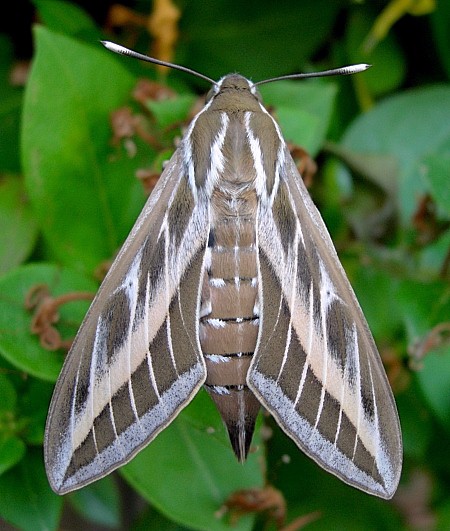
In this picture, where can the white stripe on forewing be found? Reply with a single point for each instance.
(187, 150)
(217, 162)
(90, 412)
(357, 424)
(72, 418)
(376, 421)
(327, 296)
(341, 399)
(292, 263)
(147, 338)
(255, 148)
(281, 155)
(309, 345)
(132, 295)
(166, 289)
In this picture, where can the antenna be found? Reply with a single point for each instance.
(117, 48)
(343, 71)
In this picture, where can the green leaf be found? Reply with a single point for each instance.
(99, 503)
(85, 197)
(186, 466)
(387, 60)
(10, 109)
(259, 39)
(434, 381)
(12, 451)
(305, 112)
(433, 257)
(8, 394)
(170, 111)
(437, 175)
(443, 515)
(17, 344)
(309, 489)
(151, 519)
(422, 306)
(19, 228)
(371, 286)
(26, 500)
(32, 410)
(410, 127)
(416, 421)
(57, 14)
(440, 21)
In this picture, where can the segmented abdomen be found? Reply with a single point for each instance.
(229, 324)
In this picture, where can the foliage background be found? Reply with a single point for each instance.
(68, 197)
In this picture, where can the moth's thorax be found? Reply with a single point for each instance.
(234, 145)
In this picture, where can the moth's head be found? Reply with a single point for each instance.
(234, 93)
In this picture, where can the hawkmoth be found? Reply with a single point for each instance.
(228, 280)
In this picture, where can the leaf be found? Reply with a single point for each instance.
(443, 516)
(307, 488)
(27, 501)
(433, 257)
(440, 20)
(151, 519)
(10, 108)
(372, 287)
(8, 395)
(422, 306)
(437, 176)
(99, 503)
(85, 199)
(408, 126)
(12, 450)
(305, 112)
(386, 58)
(186, 466)
(57, 14)
(434, 381)
(19, 228)
(259, 39)
(32, 410)
(17, 345)
(168, 112)
(416, 421)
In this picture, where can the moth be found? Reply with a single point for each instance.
(228, 280)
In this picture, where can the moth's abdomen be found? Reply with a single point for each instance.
(229, 324)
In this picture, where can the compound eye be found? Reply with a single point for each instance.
(254, 90)
(212, 92)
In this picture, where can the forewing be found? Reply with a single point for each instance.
(136, 360)
(316, 366)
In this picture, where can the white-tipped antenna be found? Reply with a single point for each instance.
(117, 48)
(343, 71)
